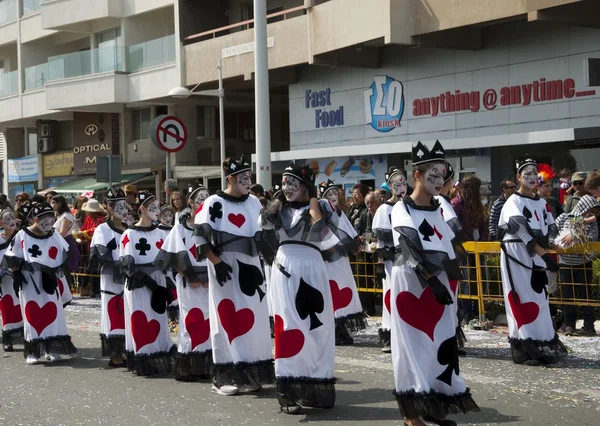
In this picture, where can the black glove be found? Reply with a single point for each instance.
(550, 262)
(18, 280)
(279, 195)
(311, 189)
(440, 292)
(222, 271)
(380, 271)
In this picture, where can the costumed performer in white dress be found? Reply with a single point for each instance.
(523, 229)
(424, 348)
(386, 250)
(104, 250)
(37, 256)
(194, 353)
(227, 232)
(147, 340)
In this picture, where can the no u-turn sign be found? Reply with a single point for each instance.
(168, 133)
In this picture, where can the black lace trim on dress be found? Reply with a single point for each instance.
(194, 364)
(244, 373)
(8, 242)
(144, 228)
(150, 364)
(53, 344)
(435, 404)
(353, 322)
(13, 337)
(113, 346)
(544, 351)
(534, 197)
(112, 226)
(435, 204)
(306, 391)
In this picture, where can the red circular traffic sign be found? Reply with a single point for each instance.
(169, 133)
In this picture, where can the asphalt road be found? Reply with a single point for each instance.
(81, 391)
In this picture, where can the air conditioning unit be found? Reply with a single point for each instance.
(46, 145)
(46, 129)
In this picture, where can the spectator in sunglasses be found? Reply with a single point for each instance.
(22, 199)
(508, 188)
(578, 182)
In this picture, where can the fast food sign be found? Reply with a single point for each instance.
(343, 169)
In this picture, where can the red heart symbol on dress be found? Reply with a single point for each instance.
(40, 318)
(194, 251)
(197, 327)
(387, 301)
(61, 286)
(237, 219)
(341, 298)
(235, 323)
(173, 291)
(159, 244)
(523, 313)
(53, 252)
(422, 313)
(11, 314)
(116, 313)
(288, 343)
(453, 286)
(144, 332)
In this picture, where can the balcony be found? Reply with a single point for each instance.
(151, 53)
(9, 83)
(86, 62)
(8, 21)
(36, 76)
(30, 7)
(76, 15)
(10, 104)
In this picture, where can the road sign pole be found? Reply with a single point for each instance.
(110, 172)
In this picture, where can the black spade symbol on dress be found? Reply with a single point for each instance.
(539, 280)
(250, 279)
(527, 214)
(215, 211)
(426, 229)
(448, 355)
(112, 245)
(49, 283)
(309, 302)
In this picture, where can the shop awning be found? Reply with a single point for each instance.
(191, 172)
(90, 184)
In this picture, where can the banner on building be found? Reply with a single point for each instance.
(24, 169)
(58, 165)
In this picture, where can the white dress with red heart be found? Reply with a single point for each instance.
(104, 249)
(346, 301)
(173, 306)
(530, 328)
(40, 261)
(303, 306)
(147, 337)
(423, 335)
(10, 308)
(382, 230)
(193, 344)
(239, 316)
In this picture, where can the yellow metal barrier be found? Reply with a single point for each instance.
(578, 285)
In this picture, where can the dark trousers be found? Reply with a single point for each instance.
(575, 283)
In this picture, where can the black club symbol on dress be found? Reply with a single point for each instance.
(143, 246)
(215, 211)
(35, 251)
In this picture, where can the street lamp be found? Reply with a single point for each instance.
(184, 93)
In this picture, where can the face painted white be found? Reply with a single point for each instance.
(166, 217)
(292, 188)
(129, 220)
(333, 196)
(201, 196)
(433, 180)
(529, 176)
(243, 182)
(9, 221)
(153, 210)
(120, 210)
(399, 186)
(45, 223)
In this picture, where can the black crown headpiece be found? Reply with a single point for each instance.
(192, 192)
(521, 164)
(145, 197)
(233, 167)
(449, 172)
(326, 186)
(115, 195)
(304, 173)
(40, 209)
(395, 172)
(165, 206)
(422, 155)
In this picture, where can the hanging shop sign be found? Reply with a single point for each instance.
(94, 135)
(57, 165)
(25, 169)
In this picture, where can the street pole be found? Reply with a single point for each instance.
(222, 125)
(261, 95)
(167, 173)
(110, 172)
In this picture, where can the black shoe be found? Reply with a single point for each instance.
(291, 409)
(8, 348)
(443, 422)
(585, 331)
(188, 378)
(122, 364)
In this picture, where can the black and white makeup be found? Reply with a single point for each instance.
(166, 217)
(153, 210)
(292, 188)
(433, 178)
(529, 176)
(8, 220)
(45, 223)
(242, 182)
(119, 210)
(130, 219)
(200, 197)
(398, 185)
(333, 196)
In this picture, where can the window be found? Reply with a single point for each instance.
(200, 122)
(141, 124)
(32, 141)
(161, 110)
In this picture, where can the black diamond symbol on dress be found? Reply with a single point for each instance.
(545, 216)
(426, 229)
(309, 302)
(112, 245)
(448, 355)
(143, 246)
(35, 250)
(250, 279)
(215, 211)
(527, 214)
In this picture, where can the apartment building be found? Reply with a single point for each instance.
(361, 81)
(81, 79)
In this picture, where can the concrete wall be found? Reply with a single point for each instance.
(514, 54)
(149, 26)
